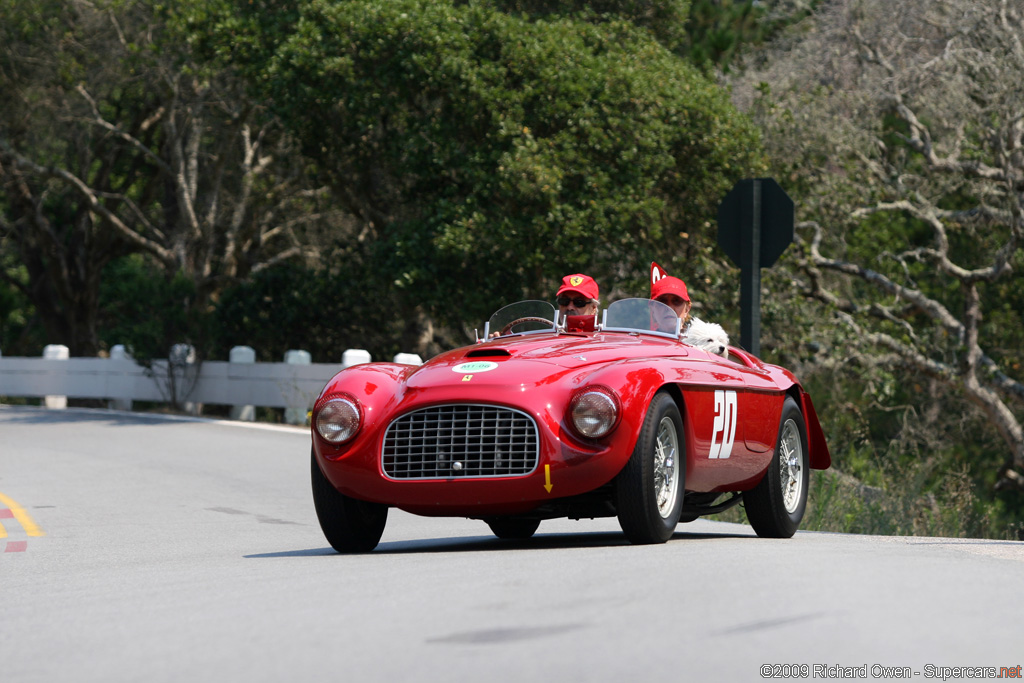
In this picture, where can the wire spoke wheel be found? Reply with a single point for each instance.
(666, 467)
(649, 489)
(791, 470)
(775, 507)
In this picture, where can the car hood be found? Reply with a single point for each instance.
(528, 359)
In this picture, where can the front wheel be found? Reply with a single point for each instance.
(649, 489)
(350, 525)
(775, 507)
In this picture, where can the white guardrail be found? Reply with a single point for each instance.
(240, 382)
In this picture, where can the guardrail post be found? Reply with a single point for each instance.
(181, 366)
(245, 355)
(119, 352)
(56, 352)
(296, 414)
(355, 357)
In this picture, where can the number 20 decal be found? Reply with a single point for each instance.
(725, 424)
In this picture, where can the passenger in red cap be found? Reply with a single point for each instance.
(672, 292)
(578, 295)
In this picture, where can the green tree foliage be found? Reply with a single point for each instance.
(719, 29)
(20, 333)
(132, 291)
(723, 34)
(112, 142)
(709, 33)
(664, 19)
(58, 253)
(321, 311)
(491, 152)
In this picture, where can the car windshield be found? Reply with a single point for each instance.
(522, 317)
(641, 315)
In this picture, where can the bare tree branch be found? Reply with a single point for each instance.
(92, 199)
(920, 117)
(138, 155)
(131, 141)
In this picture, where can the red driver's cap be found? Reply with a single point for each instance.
(583, 284)
(669, 285)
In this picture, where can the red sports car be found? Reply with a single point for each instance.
(565, 418)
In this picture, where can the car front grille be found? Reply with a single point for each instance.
(460, 441)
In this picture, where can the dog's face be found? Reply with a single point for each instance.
(708, 336)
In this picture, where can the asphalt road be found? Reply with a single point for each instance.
(138, 548)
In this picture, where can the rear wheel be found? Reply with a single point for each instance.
(649, 489)
(513, 528)
(350, 525)
(776, 506)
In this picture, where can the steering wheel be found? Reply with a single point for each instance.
(528, 319)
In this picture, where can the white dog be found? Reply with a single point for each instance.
(708, 336)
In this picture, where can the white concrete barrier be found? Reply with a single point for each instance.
(120, 380)
(183, 354)
(118, 352)
(182, 377)
(295, 411)
(407, 359)
(355, 357)
(245, 355)
(56, 352)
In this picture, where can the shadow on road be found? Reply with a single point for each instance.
(32, 415)
(35, 415)
(490, 543)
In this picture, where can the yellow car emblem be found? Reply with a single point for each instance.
(466, 378)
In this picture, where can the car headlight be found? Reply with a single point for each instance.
(593, 412)
(338, 420)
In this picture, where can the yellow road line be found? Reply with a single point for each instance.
(3, 533)
(31, 528)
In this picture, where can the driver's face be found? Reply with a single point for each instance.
(573, 303)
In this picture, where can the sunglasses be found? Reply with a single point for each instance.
(577, 302)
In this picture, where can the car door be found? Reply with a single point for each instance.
(732, 412)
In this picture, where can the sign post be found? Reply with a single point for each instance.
(755, 225)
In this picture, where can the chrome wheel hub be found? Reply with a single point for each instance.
(666, 467)
(791, 470)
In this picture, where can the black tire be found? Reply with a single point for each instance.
(350, 525)
(649, 489)
(775, 507)
(513, 528)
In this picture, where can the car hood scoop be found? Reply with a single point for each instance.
(489, 353)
